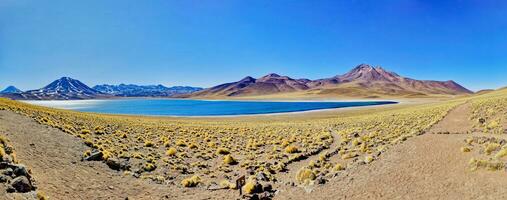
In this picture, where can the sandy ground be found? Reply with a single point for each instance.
(430, 166)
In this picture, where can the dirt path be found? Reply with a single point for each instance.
(293, 168)
(54, 158)
(457, 121)
(430, 166)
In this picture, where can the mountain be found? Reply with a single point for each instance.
(11, 90)
(362, 81)
(248, 86)
(64, 88)
(132, 90)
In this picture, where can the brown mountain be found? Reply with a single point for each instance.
(362, 81)
(248, 86)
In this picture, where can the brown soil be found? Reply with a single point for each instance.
(430, 166)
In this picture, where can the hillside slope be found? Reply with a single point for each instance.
(64, 88)
(362, 81)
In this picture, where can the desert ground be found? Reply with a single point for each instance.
(433, 149)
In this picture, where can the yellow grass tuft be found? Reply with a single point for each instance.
(227, 184)
(251, 186)
(41, 195)
(191, 182)
(222, 151)
(338, 167)
(465, 149)
(148, 143)
(502, 153)
(171, 152)
(291, 149)
(368, 159)
(149, 167)
(304, 176)
(228, 159)
(491, 147)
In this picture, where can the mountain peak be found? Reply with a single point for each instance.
(272, 75)
(362, 66)
(247, 79)
(10, 90)
(365, 72)
(67, 85)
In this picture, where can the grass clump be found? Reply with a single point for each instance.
(368, 159)
(491, 147)
(502, 153)
(304, 176)
(222, 151)
(229, 160)
(491, 165)
(85, 132)
(191, 182)
(465, 149)
(41, 195)
(291, 149)
(149, 167)
(251, 186)
(338, 167)
(148, 143)
(227, 184)
(171, 151)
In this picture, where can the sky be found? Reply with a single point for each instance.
(209, 42)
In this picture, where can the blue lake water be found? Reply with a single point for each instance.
(177, 107)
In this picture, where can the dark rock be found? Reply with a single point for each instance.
(3, 164)
(22, 184)
(482, 120)
(4, 178)
(95, 155)
(267, 187)
(320, 180)
(7, 172)
(254, 197)
(19, 170)
(113, 163)
(8, 149)
(261, 176)
(265, 196)
(10, 189)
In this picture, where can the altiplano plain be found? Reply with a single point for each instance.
(280, 158)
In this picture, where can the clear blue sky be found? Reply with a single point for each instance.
(204, 43)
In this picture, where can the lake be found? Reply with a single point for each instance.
(178, 107)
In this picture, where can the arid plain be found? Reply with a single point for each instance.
(451, 149)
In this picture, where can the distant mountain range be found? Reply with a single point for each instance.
(130, 90)
(362, 81)
(67, 88)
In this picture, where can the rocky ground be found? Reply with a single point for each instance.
(430, 166)
(16, 181)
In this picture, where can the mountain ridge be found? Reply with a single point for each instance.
(362, 81)
(132, 90)
(67, 88)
